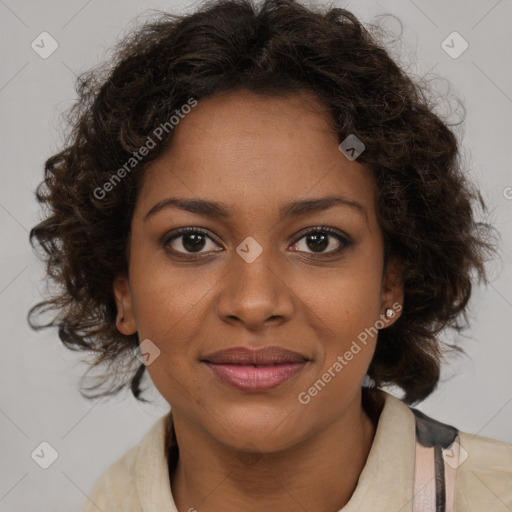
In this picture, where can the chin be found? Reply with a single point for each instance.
(257, 427)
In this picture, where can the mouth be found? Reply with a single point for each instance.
(255, 370)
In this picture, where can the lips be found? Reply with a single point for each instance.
(255, 370)
(262, 356)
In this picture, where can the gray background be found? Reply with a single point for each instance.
(39, 396)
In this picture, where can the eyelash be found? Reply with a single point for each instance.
(345, 241)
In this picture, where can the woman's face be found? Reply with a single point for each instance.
(257, 275)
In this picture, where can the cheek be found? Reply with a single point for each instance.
(347, 307)
(347, 314)
(346, 301)
(169, 301)
(352, 322)
(170, 307)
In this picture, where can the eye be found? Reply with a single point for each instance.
(191, 239)
(319, 239)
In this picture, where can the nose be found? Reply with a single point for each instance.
(255, 294)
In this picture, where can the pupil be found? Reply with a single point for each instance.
(197, 243)
(322, 238)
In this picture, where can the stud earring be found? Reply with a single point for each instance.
(389, 313)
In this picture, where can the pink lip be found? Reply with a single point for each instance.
(255, 370)
(256, 378)
(265, 355)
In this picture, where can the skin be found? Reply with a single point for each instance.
(266, 450)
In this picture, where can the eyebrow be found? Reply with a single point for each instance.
(286, 211)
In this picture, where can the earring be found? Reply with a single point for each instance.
(389, 313)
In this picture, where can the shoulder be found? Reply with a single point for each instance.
(484, 476)
(119, 487)
(115, 489)
(487, 450)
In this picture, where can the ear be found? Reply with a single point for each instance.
(125, 321)
(392, 291)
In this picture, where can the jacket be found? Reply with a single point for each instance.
(415, 464)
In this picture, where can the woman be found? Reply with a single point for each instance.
(261, 209)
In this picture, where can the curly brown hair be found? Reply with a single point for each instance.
(426, 206)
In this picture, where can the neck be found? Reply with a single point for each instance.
(210, 477)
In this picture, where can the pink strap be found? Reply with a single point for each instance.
(453, 457)
(425, 476)
(424, 480)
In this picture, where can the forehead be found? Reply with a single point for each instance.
(254, 151)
